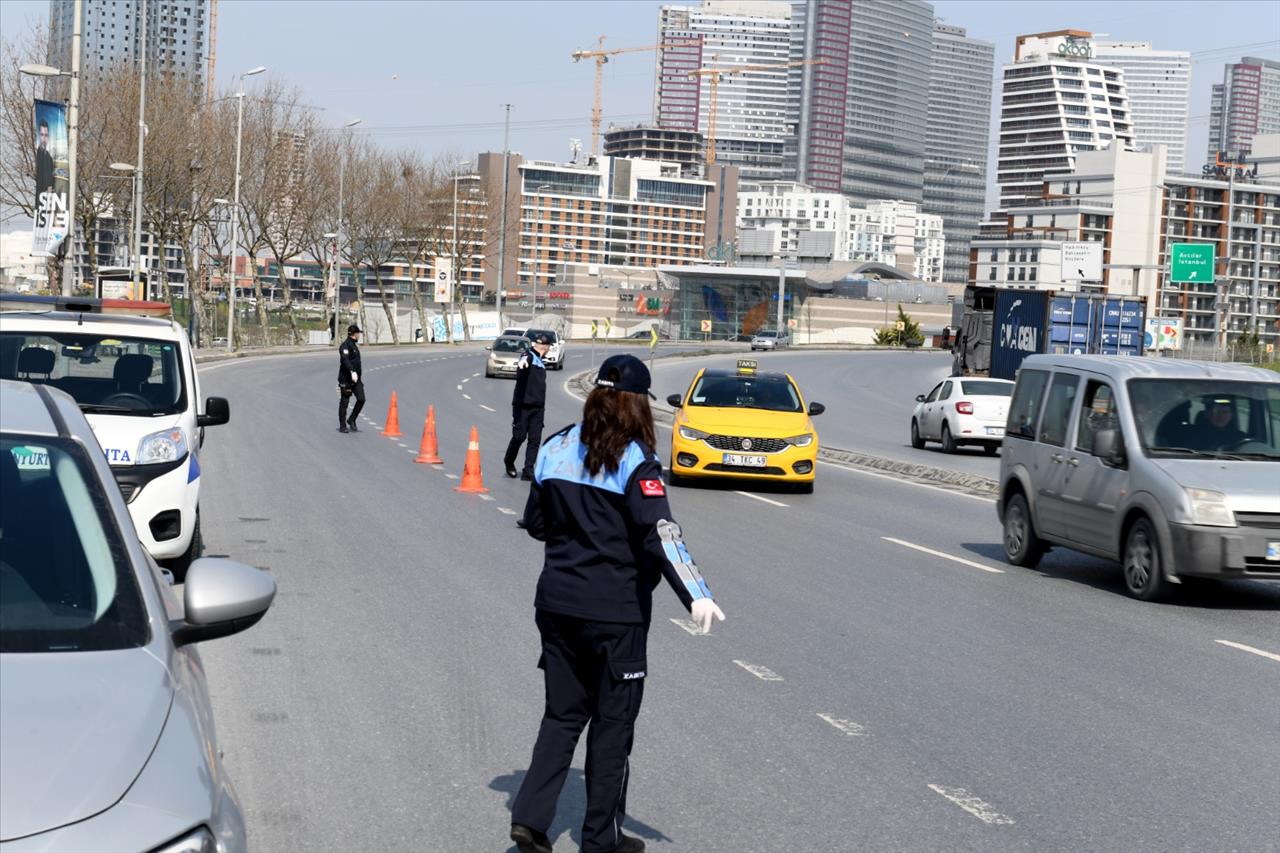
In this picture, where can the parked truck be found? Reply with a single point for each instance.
(999, 327)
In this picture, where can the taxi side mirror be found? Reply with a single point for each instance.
(816, 408)
(674, 401)
(919, 398)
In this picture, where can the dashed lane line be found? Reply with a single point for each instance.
(459, 386)
(485, 497)
(974, 806)
(761, 672)
(451, 476)
(1250, 649)
(770, 501)
(961, 560)
(687, 626)
(486, 408)
(848, 727)
(506, 510)
(466, 396)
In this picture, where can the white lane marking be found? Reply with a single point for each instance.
(505, 511)
(451, 476)
(485, 497)
(465, 381)
(402, 444)
(687, 626)
(849, 727)
(474, 375)
(974, 806)
(459, 387)
(895, 479)
(466, 396)
(763, 500)
(1242, 647)
(486, 408)
(761, 672)
(944, 556)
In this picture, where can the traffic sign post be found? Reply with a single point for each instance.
(1191, 263)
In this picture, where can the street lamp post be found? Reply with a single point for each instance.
(142, 136)
(337, 236)
(502, 227)
(453, 295)
(135, 239)
(235, 212)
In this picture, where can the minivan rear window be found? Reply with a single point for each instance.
(1024, 410)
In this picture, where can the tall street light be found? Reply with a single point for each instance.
(337, 236)
(453, 295)
(235, 212)
(73, 136)
(142, 136)
(135, 237)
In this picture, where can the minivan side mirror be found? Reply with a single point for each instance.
(816, 408)
(1108, 447)
(221, 597)
(674, 400)
(217, 411)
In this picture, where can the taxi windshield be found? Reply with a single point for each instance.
(771, 393)
(1209, 418)
(106, 374)
(508, 345)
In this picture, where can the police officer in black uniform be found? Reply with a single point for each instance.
(350, 380)
(528, 403)
(599, 504)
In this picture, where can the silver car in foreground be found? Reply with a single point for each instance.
(1170, 467)
(503, 354)
(106, 733)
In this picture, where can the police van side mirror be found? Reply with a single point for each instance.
(674, 401)
(217, 411)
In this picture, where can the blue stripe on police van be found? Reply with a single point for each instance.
(194, 471)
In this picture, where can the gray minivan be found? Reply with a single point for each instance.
(1170, 467)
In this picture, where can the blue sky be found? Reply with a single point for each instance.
(432, 75)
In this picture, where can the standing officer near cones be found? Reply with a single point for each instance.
(599, 504)
(528, 403)
(350, 380)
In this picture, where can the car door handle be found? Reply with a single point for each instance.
(1057, 457)
(1074, 462)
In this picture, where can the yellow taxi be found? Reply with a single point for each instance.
(744, 424)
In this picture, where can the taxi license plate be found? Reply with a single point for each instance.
(995, 430)
(745, 461)
(1273, 551)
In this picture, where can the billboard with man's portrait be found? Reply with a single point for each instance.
(51, 162)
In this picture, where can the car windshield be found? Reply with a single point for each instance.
(766, 334)
(1207, 418)
(66, 582)
(986, 389)
(508, 345)
(532, 334)
(773, 393)
(104, 373)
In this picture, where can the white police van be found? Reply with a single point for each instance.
(134, 378)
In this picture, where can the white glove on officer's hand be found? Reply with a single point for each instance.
(703, 611)
(355, 377)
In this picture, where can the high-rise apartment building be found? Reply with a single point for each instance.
(751, 106)
(959, 121)
(1158, 83)
(177, 36)
(1056, 102)
(866, 103)
(648, 142)
(1244, 105)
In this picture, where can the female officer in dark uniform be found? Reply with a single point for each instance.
(599, 504)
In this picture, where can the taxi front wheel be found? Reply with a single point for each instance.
(805, 488)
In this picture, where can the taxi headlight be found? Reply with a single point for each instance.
(800, 440)
(167, 445)
(693, 434)
(1209, 508)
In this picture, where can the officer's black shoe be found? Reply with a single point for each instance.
(511, 469)
(527, 477)
(352, 424)
(628, 845)
(530, 840)
(520, 523)
(343, 428)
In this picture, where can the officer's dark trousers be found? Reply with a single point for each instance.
(347, 391)
(594, 674)
(526, 423)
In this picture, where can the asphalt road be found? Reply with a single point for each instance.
(863, 694)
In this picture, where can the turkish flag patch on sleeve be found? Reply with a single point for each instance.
(652, 489)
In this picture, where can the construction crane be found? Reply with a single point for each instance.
(715, 75)
(601, 56)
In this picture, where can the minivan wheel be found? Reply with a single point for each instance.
(1022, 547)
(1143, 575)
(178, 565)
(948, 441)
(916, 441)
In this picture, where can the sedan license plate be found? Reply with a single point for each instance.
(995, 430)
(745, 461)
(1273, 551)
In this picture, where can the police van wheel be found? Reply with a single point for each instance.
(178, 565)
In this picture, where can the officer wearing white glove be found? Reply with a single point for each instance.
(703, 611)
(349, 384)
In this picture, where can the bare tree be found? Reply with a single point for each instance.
(319, 216)
(374, 179)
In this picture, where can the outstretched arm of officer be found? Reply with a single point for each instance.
(664, 545)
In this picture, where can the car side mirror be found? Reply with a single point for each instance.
(816, 408)
(1108, 446)
(217, 411)
(674, 400)
(919, 398)
(488, 349)
(221, 597)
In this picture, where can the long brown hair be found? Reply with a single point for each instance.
(611, 420)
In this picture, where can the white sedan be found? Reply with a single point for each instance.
(961, 411)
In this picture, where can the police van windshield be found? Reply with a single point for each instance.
(772, 393)
(106, 374)
(1207, 418)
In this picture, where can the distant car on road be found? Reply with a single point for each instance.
(769, 339)
(504, 352)
(643, 335)
(106, 728)
(1170, 467)
(554, 359)
(961, 411)
(219, 342)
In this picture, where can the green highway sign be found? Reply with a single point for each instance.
(1191, 262)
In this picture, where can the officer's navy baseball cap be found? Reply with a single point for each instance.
(542, 339)
(352, 329)
(624, 373)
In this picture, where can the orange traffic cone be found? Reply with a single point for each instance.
(392, 429)
(472, 479)
(428, 452)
